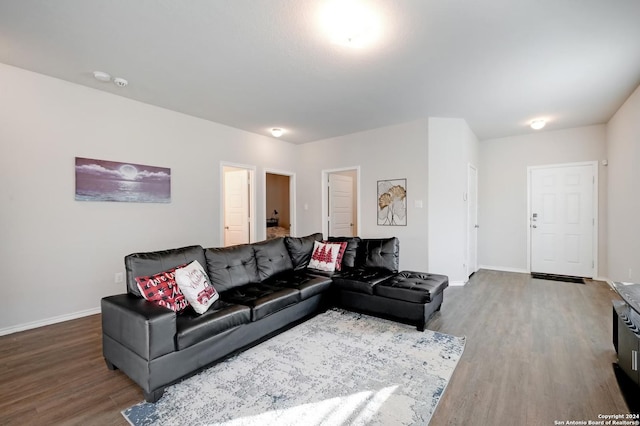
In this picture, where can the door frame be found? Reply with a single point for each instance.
(473, 268)
(324, 182)
(252, 199)
(594, 166)
(292, 197)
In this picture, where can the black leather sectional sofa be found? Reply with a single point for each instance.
(264, 288)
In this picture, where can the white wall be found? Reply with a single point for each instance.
(392, 152)
(58, 256)
(502, 188)
(452, 147)
(623, 151)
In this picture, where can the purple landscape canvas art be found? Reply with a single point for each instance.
(100, 180)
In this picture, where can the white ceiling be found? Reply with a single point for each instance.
(258, 64)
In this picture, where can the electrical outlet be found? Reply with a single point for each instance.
(118, 278)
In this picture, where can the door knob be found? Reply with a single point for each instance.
(226, 227)
(476, 226)
(534, 226)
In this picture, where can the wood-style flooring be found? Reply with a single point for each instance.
(537, 352)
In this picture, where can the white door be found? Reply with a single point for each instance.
(236, 207)
(562, 220)
(340, 206)
(472, 220)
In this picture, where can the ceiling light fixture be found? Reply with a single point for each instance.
(101, 76)
(538, 124)
(350, 23)
(276, 132)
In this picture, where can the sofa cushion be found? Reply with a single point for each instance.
(300, 249)
(410, 286)
(262, 298)
(150, 263)
(349, 256)
(325, 256)
(221, 316)
(383, 253)
(230, 267)
(194, 284)
(163, 290)
(360, 280)
(308, 284)
(272, 258)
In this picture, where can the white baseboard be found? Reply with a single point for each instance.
(457, 283)
(504, 269)
(48, 321)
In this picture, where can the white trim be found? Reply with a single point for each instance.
(48, 321)
(325, 197)
(252, 199)
(457, 283)
(292, 196)
(594, 165)
(504, 269)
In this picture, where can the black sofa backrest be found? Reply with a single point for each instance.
(301, 248)
(381, 253)
(233, 266)
(272, 257)
(150, 263)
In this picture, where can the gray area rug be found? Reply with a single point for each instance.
(338, 368)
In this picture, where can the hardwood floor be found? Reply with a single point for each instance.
(537, 351)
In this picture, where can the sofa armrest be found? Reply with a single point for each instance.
(147, 329)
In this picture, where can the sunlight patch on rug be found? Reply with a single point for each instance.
(338, 368)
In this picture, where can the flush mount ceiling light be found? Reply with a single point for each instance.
(538, 124)
(101, 76)
(350, 23)
(276, 132)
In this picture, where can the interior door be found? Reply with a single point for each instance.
(472, 221)
(340, 206)
(236, 207)
(562, 220)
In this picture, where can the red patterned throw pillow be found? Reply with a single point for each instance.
(343, 248)
(325, 256)
(162, 290)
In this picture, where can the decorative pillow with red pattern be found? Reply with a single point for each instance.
(325, 255)
(162, 290)
(343, 248)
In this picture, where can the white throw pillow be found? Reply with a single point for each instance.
(325, 256)
(196, 287)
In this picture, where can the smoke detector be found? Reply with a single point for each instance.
(120, 82)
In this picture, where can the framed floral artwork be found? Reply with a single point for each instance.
(392, 202)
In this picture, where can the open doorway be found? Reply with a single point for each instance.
(279, 203)
(341, 202)
(237, 204)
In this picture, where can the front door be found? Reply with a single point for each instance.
(562, 219)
